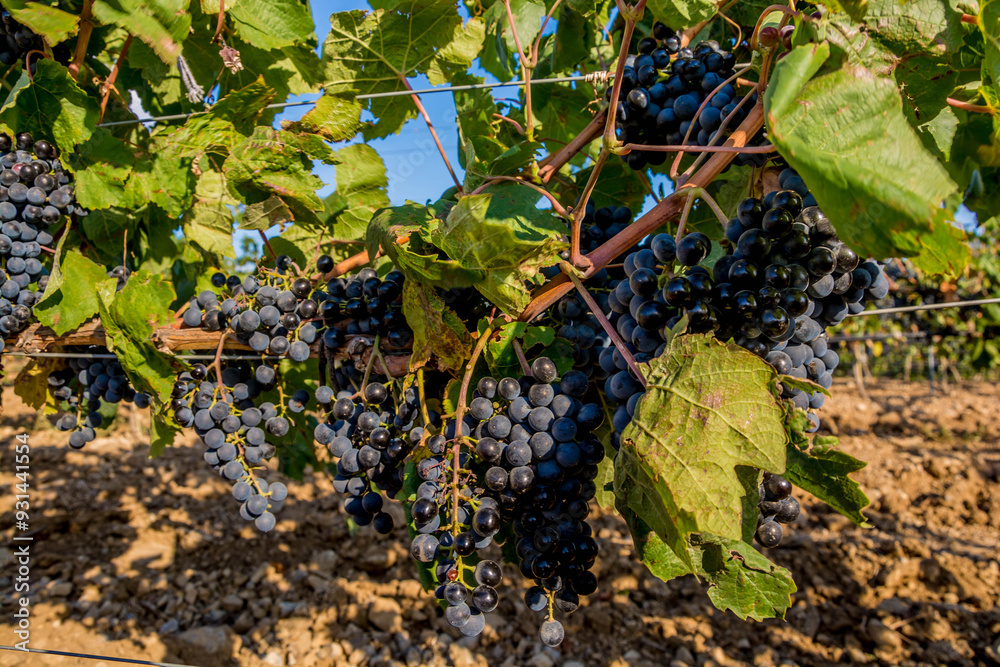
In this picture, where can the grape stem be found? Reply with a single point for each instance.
(605, 324)
(86, 28)
(789, 12)
(267, 244)
(974, 108)
(423, 404)
(109, 83)
(708, 98)
(221, 21)
(521, 359)
(682, 179)
(969, 18)
(368, 367)
(575, 258)
(456, 447)
(430, 126)
(377, 353)
(217, 364)
(688, 203)
(513, 122)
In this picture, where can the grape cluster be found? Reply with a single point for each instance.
(777, 506)
(533, 467)
(234, 430)
(17, 40)
(370, 442)
(662, 90)
(35, 194)
(82, 384)
(785, 279)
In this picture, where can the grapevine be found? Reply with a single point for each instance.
(525, 348)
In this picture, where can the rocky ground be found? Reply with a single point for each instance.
(147, 558)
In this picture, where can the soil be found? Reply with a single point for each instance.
(147, 558)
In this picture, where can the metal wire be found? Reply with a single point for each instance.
(909, 335)
(593, 77)
(193, 357)
(926, 306)
(88, 656)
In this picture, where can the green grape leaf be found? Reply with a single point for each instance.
(504, 239)
(680, 14)
(701, 391)
(269, 165)
(845, 133)
(375, 52)
(535, 341)
(209, 225)
(101, 167)
(68, 303)
(361, 190)
(989, 24)
(271, 24)
(856, 9)
(605, 480)
(162, 431)
(807, 386)
(399, 232)
(161, 24)
(129, 318)
(945, 251)
(825, 475)
(50, 106)
(52, 23)
(740, 579)
(336, 117)
(437, 330)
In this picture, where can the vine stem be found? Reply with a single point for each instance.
(221, 21)
(550, 165)
(456, 447)
(969, 18)
(267, 244)
(109, 83)
(526, 69)
(602, 318)
(768, 148)
(556, 206)
(353, 262)
(974, 108)
(616, 87)
(665, 210)
(513, 122)
(368, 367)
(86, 28)
(434, 134)
(575, 258)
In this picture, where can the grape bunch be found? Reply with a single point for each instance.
(83, 384)
(35, 195)
(663, 90)
(532, 466)
(17, 40)
(234, 430)
(371, 442)
(777, 506)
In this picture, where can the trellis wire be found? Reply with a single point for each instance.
(251, 357)
(89, 656)
(98, 355)
(593, 77)
(926, 306)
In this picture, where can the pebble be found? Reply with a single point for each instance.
(61, 589)
(386, 615)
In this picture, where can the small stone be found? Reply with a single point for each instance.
(386, 615)
(684, 655)
(204, 644)
(883, 636)
(274, 657)
(463, 657)
(232, 603)
(169, 627)
(61, 589)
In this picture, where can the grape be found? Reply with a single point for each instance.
(552, 633)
